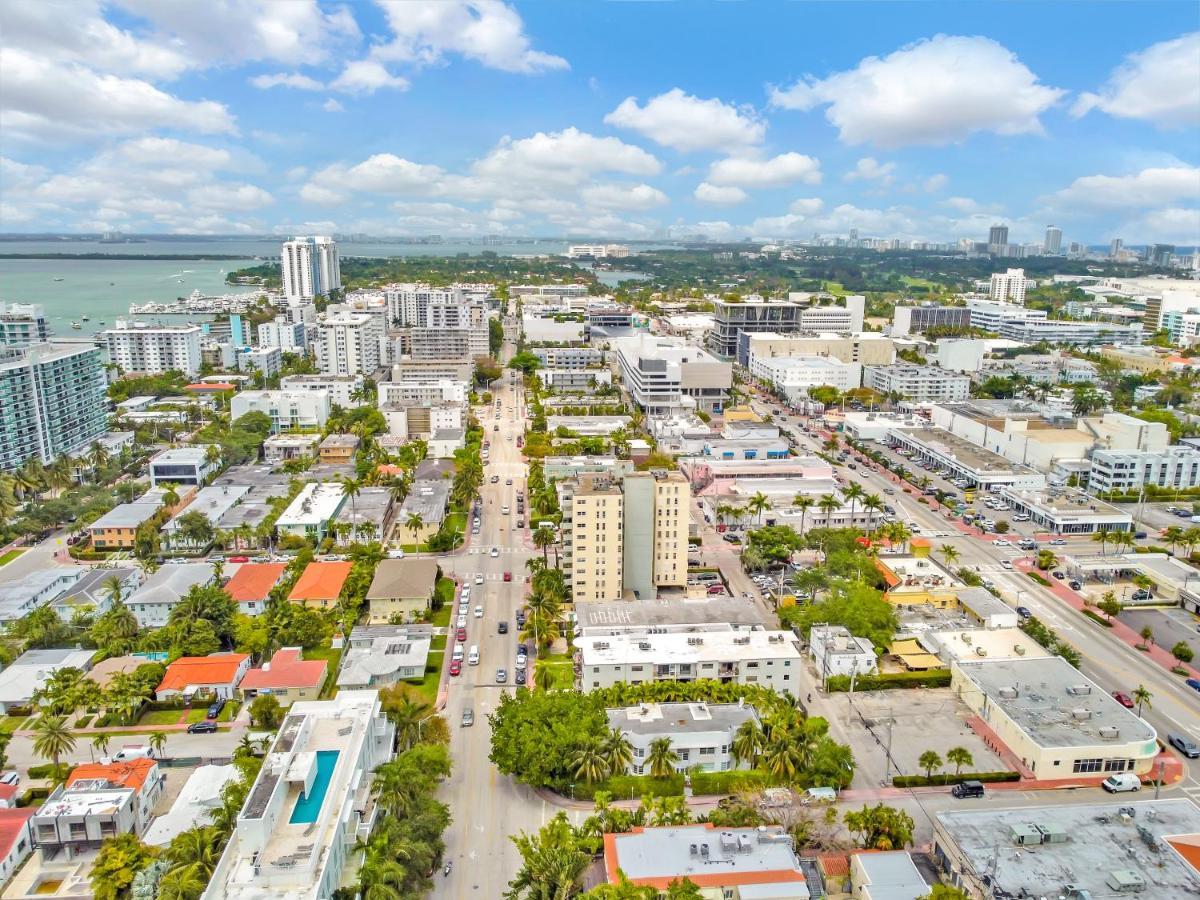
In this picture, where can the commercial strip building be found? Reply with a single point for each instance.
(982, 468)
(1099, 850)
(1032, 326)
(309, 267)
(920, 383)
(1066, 511)
(665, 375)
(624, 536)
(867, 348)
(136, 347)
(770, 659)
(54, 402)
(747, 863)
(1054, 719)
(309, 804)
(700, 734)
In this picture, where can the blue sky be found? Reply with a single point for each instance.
(603, 119)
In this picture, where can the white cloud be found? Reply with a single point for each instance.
(1170, 225)
(936, 91)
(365, 76)
(332, 106)
(719, 195)
(752, 172)
(47, 100)
(1145, 189)
(870, 169)
(623, 196)
(229, 197)
(687, 123)
(806, 206)
(287, 79)
(963, 204)
(1160, 85)
(383, 173)
(486, 31)
(935, 183)
(569, 156)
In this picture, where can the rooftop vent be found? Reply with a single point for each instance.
(1109, 732)
(1009, 693)
(1079, 690)
(1081, 714)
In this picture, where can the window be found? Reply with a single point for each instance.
(1087, 765)
(1117, 765)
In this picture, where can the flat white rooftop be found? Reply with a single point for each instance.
(316, 504)
(721, 646)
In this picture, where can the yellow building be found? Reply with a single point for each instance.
(592, 508)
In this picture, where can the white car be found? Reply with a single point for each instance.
(1001, 542)
(495, 552)
(479, 612)
(479, 579)
(1058, 542)
(522, 659)
(462, 620)
(1005, 564)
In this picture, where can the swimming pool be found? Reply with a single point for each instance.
(308, 806)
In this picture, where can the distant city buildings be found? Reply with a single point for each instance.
(597, 251)
(310, 267)
(1052, 246)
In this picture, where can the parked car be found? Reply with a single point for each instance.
(1123, 698)
(468, 717)
(456, 667)
(1121, 782)
(1184, 745)
(1024, 612)
(520, 677)
(501, 675)
(479, 579)
(461, 634)
(502, 628)
(214, 709)
(1075, 585)
(202, 728)
(1057, 574)
(967, 789)
(731, 538)
(1193, 683)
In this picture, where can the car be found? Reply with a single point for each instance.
(1121, 782)
(1058, 542)
(501, 675)
(462, 619)
(1024, 612)
(1193, 683)
(10, 777)
(716, 589)
(214, 709)
(468, 717)
(520, 678)
(520, 523)
(495, 428)
(479, 612)
(239, 559)
(1184, 745)
(456, 667)
(966, 789)
(495, 552)
(495, 479)
(479, 579)
(395, 554)
(1141, 594)
(508, 576)
(522, 658)
(202, 728)
(889, 491)
(1123, 698)
(1058, 574)
(1001, 542)
(1075, 585)
(508, 481)
(502, 628)
(520, 618)
(1005, 564)
(731, 538)
(504, 510)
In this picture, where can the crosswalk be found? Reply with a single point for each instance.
(486, 551)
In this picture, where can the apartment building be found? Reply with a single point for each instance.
(867, 349)
(310, 514)
(920, 383)
(770, 659)
(98, 801)
(908, 320)
(267, 361)
(597, 251)
(569, 357)
(420, 421)
(350, 343)
(664, 375)
(290, 337)
(23, 323)
(448, 343)
(592, 528)
(289, 410)
(310, 267)
(423, 306)
(344, 390)
(1031, 326)
(52, 402)
(732, 319)
(1009, 287)
(442, 390)
(700, 734)
(136, 347)
(1128, 470)
(796, 375)
(182, 466)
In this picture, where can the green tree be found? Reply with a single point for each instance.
(1182, 652)
(618, 752)
(119, 859)
(748, 742)
(552, 863)
(945, 892)
(929, 760)
(157, 741)
(662, 758)
(880, 827)
(759, 504)
(1110, 605)
(589, 763)
(959, 757)
(52, 738)
(1141, 696)
(265, 711)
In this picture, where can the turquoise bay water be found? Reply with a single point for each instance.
(308, 807)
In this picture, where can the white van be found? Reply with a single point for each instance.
(458, 652)
(1121, 782)
(473, 656)
(134, 751)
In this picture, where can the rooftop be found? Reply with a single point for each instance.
(970, 455)
(892, 875)
(286, 669)
(710, 858)
(130, 774)
(403, 578)
(180, 456)
(426, 499)
(212, 502)
(171, 582)
(12, 824)
(680, 718)
(376, 651)
(680, 647)
(127, 515)
(316, 504)
(201, 794)
(982, 643)
(321, 581)
(253, 581)
(340, 441)
(1097, 840)
(1058, 502)
(1055, 704)
(631, 614)
(201, 671)
(30, 671)
(371, 506)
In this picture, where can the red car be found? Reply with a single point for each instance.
(456, 667)
(461, 635)
(239, 559)
(1124, 699)
(508, 576)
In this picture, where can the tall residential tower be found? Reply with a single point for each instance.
(310, 267)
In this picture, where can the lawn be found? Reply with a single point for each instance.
(334, 658)
(438, 642)
(555, 672)
(170, 716)
(10, 556)
(9, 724)
(441, 618)
(428, 686)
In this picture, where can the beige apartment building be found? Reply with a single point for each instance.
(625, 537)
(867, 348)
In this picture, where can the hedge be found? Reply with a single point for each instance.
(33, 795)
(730, 782)
(1039, 579)
(1099, 620)
(943, 778)
(625, 787)
(889, 681)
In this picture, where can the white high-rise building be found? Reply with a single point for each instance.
(1053, 244)
(23, 323)
(310, 267)
(350, 344)
(154, 349)
(289, 337)
(1009, 287)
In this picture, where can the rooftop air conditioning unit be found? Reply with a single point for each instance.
(1109, 732)
(1009, 693)
(1079, 690)
(1081, 714)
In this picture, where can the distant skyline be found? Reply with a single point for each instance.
(926, 121)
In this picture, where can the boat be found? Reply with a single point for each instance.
(58, 279)
(83, 318)
(76, 326)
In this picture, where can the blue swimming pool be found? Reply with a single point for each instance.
(308, 807)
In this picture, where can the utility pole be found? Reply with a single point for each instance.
(1162, 765)
(888, 752)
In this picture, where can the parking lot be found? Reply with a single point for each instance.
(928, 719)
(1170, 626)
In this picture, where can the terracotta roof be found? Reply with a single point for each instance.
(8, 792)
(215, 386)
(1187, 846)
(321, 581)
(12, 823)
(835, 865)
(287, 669)
(389, 469)
(131, 774)
(220, 668)
(253, 581)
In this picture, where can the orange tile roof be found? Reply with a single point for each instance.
(220, 668)
(12, 823)
(1187, 846)
(287, 670)
(131, 774)
(835, 865)
(253, 581)
(215, 386)
(389, 469)
(321, 581)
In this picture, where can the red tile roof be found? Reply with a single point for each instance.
(214, 386)
(8, 792)
(253, 581)
(321, 581)
(221, 668)
(287, 669)
(132, 774)
(12, 823)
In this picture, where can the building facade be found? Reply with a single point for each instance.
(1009, 287)
(920, 383)
(288, 410)
(1128, 470)
(23, 323)
(664, 374)
(310, 267)
(908, 320)
(350, 343)
(701, 734)
(344, 390)
(154, 349)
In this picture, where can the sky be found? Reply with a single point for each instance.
(923, 121)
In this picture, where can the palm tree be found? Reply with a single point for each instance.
(194, 854)
(758, 505)
(157, 741)
(661, 758)
(1102, 538)
(804, 503)
(949, 554)
(747, 742)
(96, 456)
(829, 504)
(543, 539)
(780, 756)
(617, 751)
(589, 762)
(170, 495)
(113, 587)
(351, 488)
(1147, 634)
(414, 523)
(929, 760)
(54, 738)
(959, 756)
(1173, 535)
(100, 742)
(872, 503)
(853, 493)
(1141, 696)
